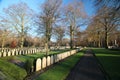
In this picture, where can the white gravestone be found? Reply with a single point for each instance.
(9, 53)
(38, 64)
(44, 62)
(52, 60)
(48, 60)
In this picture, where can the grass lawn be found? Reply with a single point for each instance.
(61, 70)
(110, 60)
(37, 55)
(23, 58)
(11, 71)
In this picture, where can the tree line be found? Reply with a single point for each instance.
(56, 20)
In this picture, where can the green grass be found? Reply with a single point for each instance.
(61, 70)
(111, 62)
(14, 72)
(11, 71)
(24, 58)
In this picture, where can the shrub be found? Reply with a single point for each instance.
(28, 66)
(13, 44)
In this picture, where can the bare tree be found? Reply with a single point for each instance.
(48, 16)
(74, 14)
(65, 42)
(19, 16)
(4, 31)
(94, 34)
(107, 22)
(59, 33)
(3, 36)
(112, 3)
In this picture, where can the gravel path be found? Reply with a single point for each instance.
(86, 69)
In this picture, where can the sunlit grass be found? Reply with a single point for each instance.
(61, 70)
(14, 72)
(111, 62)
(23, 58)
(11, 71)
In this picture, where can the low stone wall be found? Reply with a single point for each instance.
(42, 63)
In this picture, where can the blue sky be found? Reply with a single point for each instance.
(35, 4)
(89, 7)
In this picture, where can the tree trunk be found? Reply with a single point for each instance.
(3, 41)
(94, 44)
(22, 41)
(99, 43)
(46, 48)
(47, 39)
(22, 32)
(71, 37)
(106, 38)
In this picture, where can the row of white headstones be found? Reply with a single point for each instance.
(14, 52)
(42, 63)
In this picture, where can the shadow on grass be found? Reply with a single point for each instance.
(60, 70)
(111, 64)
(110, 60)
